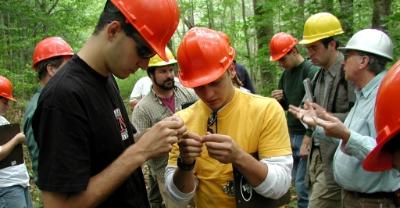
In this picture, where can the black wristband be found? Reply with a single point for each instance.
(183, 166)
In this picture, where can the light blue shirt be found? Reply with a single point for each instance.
(347, 162)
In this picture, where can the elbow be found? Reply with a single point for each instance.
(278, 180)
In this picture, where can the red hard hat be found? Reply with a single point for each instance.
(6, 88)
(156, 20)
(387, 120)
(280, 44)
(49, 48)
(203, 56)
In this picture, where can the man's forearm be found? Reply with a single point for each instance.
(7, 148)
(253, 170)
(177, 195)
(184, 180)
(277, 180)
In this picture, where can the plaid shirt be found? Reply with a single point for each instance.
(151, 110)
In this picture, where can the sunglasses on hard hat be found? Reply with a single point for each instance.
(143, 50)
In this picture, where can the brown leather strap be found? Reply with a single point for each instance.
(387, 195)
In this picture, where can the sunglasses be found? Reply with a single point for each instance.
(143, 50)
(283, 59)
(4, 100)
(211, 121)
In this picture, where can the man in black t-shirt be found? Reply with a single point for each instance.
(87, 155)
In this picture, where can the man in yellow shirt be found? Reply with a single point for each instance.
(226, 127)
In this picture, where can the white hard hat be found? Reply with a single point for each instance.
(371, 41)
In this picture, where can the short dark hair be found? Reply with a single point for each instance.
(110, 13)
(42, 66)
(376, 63)
(151, 70)
(326, 41)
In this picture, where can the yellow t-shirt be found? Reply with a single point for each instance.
(256, 123)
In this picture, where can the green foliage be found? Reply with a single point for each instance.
(24, 23)
(126, 85)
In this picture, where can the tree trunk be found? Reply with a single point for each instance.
(300, 3)
(346, 16)
(327, 5)
(188, 20)
(380, 13)
(264, 30)
(210, 14)
(245, 27)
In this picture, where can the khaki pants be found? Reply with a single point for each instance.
(351, 200)
(323, 193)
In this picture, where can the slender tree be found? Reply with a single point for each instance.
(381, 11)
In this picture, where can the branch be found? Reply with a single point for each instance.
(52, 7)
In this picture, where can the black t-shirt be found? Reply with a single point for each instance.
(81, 127)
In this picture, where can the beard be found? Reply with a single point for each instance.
(167, 84)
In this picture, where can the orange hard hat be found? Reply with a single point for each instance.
(6, 88)
(387, 120)
(203, 56)
(49, 48)
(280, 44)
(156, 21)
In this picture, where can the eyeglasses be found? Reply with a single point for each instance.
(283, 59)
(349, 54)
(211, 121)
(143, 50)
(4, 100)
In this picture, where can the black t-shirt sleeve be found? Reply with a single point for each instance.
(64, 158)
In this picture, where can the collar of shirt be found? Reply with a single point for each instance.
(334, 69)
(371, 85)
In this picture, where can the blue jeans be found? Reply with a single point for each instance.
(299, 171)
(15, 197)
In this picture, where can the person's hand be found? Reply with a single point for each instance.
(190, 146)
(19, 138)
(333, 126)
(277, 94)
(182, 129)
(133, 103)
(158, 139)
(306, 115)
(222, 148)
(305, 147)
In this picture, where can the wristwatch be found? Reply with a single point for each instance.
(183, 166)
